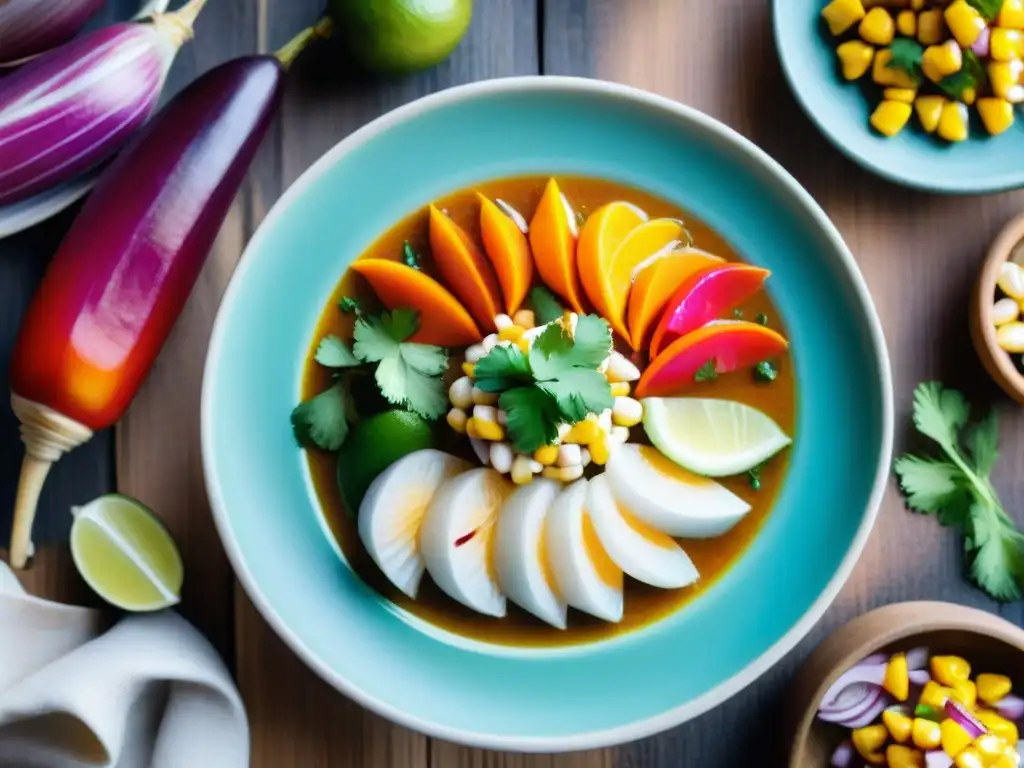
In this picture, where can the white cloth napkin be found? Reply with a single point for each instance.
(150, 692)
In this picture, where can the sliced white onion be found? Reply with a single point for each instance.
(872, 674)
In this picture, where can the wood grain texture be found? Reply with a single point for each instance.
(919, 254)
(297, 720)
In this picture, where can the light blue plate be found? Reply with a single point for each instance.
(588, 696)
(841, 110)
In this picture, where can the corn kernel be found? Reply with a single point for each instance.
(468, 368)
(890, 117)
(898, 724)
(1004, 311)
(968, 95)
(1011, 15)
(620, 389)
(999, 725)
(546, 454)
(604, 420)
(522, 471)
(524, 318)
(991, 688)
(1005, 79)
(906, 23)
(996, 114)
(600, 451)
(501, 322)
(511, 333)
(460, 392)
(840, 15)
(564, 474)
(471, 431)
(855, 58)
(964, 21)
(569, 455)
(868, 741)
(938, 61)
(489, 430)
(990, 746)
(918, 5)
(906, 95)
(887, 76)
(947, 670)
(1005, 44)
(954, 738)
(931, 27)
(969, 758)
(929, 110)
(457, 420)
(1011, 280)
(966, 692)
(934, 695)
(475, 353)
(523, 344)
(627, 412)
(953, 121)
(897, 756)
(582, 432)
(501, 457)
(490, 342)
(620, 369)
(585, 457)
(619, 435)
(897, 677)
(925, 734)
(484, 412)
(480, 397)
(877, 27)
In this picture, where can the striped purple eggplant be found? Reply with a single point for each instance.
(29, 27)
(75, 106)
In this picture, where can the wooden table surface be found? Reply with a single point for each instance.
(919, 254)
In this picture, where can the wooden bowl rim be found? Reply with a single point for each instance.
(999, 252)
(882, 627)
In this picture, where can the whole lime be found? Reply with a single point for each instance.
(375, 444)
(401, 35)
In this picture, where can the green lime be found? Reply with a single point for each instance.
(401, 35)
(125, 554)
(375, 444)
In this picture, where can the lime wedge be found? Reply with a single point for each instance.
(125, 554)
(712, 437)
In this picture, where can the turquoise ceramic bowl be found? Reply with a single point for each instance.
(841, 111)
(591, 695)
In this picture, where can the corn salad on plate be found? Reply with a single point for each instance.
(922, 92)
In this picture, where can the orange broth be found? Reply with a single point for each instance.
(643, 604)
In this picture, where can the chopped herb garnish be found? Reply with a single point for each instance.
(706, 372)
(955, 487)
(409, 256)
(349, 306)
(928, 712)
(754, 477)
(906, 55)
(738, 314)
(765, 371)
(332, 352)
(546, 308)
(322, 421)
(761, 319)
(971, 75)
(987, 8)
(556, 382)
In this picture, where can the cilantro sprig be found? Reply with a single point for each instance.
(546, 307)
(406, 373)
(955, 487)
(556, 382)
(987, 8)
(906, 55)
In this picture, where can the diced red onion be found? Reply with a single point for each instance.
(843, 756)
(872, 674)
(850, 697)
(870, 715)
(964, 719)
(866, 710)
(1011, 707)
(937, 759)
(33, 26)
(919, 676)
(74, 107)
(981, 44)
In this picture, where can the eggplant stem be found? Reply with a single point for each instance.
(179, 24)
(322, 29)
(47, 436)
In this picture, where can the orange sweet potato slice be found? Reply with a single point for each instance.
(553, 241)
(507, 248)
(465, 269)
(443, 320)
(655, 284)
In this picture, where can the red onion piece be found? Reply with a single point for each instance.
(964, 719)
(937, 759)
(874, 658)
(843, 756)
(868, 696)
(917, 658)
(1011, 707)
(919, 676)
(33, 26)
(872, 674)
(870, 715)
(981, 45)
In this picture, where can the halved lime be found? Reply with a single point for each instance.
(712, 437)
(125, 554)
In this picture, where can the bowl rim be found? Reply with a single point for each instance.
(948, 185)
(994, 358)
(633, 730)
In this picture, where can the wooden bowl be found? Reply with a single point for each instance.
(987, 641)
(983, 333)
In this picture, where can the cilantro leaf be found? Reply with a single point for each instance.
(532, 417)
(424, 358)
(970, 75)
(401, 323)
(425, 394)
(765, 371)
(332, 352)
(940, 413)
(321, 421)
(754, 476)
(349, 306)
(372, 341)
(547, 355)
(983, 442)
(928, 483)
(555, 350)
(546, 308)
(987, 8)
(592, 342)
(998, 567)
(504, 367)
(906, 55)
(409, 256)
(761, 319)
(706, 372)
(579, 391)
